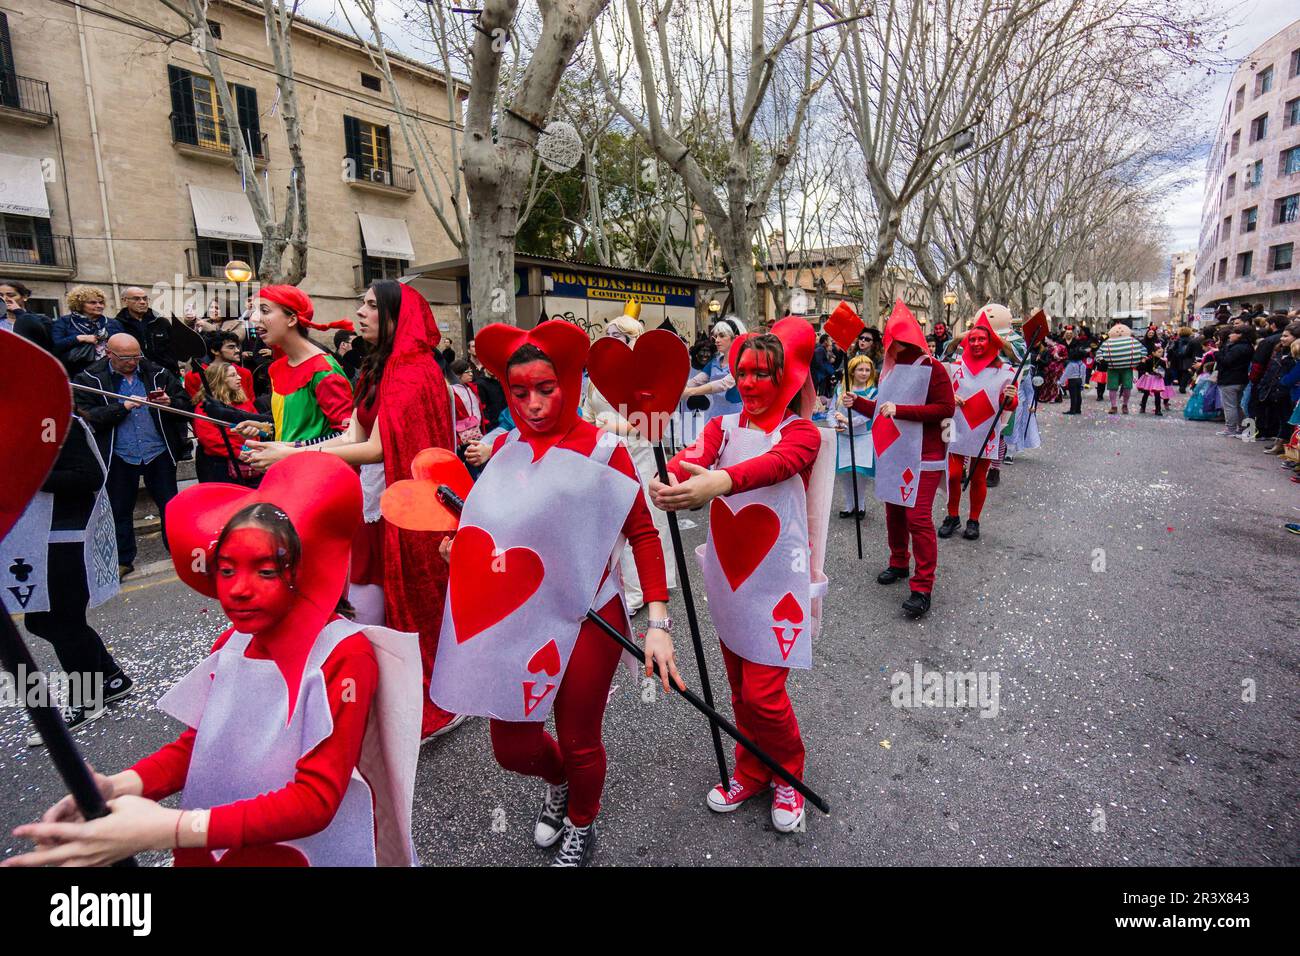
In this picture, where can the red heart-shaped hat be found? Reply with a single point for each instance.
(564, 344)
(798, 340)
(645, 382)
(35, 412)
(318, 492)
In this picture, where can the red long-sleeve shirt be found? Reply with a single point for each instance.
(638, 527)
(308, 802)
(793, 454)
(940, 403)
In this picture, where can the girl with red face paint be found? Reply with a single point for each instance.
(981, 381)
(281, 714)
(538, 544)
(756, 467)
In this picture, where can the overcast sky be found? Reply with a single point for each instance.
(1258, 20)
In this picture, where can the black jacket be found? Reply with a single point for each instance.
(491, 394)
(1233, 362)
(153, 332)
(105, 414)
(74, 481)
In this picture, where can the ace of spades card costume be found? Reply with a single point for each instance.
(978, 380)
(310, 770)
(911, 454)
(764, 554)
(538, 545)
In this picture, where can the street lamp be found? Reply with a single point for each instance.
(238, 271)
(949, 300)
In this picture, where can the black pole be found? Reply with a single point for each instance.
(853, 460)
(161, 408)
(692, 621)
(716, 720)
(16, 658)
(1002, 407)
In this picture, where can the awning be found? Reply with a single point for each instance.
(22, 187)
(386, 238)
(219, 214)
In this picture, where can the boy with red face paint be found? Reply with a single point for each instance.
(914, 399)
(981, 381)
(756, 467)
(538, 544)
(285, 715)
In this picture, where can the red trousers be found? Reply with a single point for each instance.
(918, 523)
(763, 713)
(579, 754)
(979, 486)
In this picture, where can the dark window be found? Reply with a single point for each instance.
(1236, 142)
(367, 146)
(1241, 97)
(1232, 185)
(198, 119)
(371, 82)
(215, 29)
(1258, 128)
(1290, 161)
(214, 254)
(1295, 62)
(26, 240)
(1249, 219)
(1291, 117)
(374, 268)
(1286, 209)
(8, 73)
(1244, 261)
(1227, 227)
(1255, 174)
(1264, 81)
(1223, 269)
(1279, 257)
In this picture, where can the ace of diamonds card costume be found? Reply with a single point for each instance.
(300, 767)
(764, 554)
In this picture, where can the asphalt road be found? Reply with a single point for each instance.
(1121, 736)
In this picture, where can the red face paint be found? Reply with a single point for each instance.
(535, 396)
(250, 585)
(756, 382)
(977, 340)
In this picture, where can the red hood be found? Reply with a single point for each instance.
(902, 327)
(990, 355)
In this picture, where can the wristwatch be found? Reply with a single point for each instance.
(663, 624)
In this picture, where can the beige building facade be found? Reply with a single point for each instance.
(116, 167)
(1250, 220)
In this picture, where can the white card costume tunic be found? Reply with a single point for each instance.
(898, 442)
(757, 560)
(535, 540)
(24, 551)
(247, 744)
(982, 395)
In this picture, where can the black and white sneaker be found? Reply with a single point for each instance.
(949, 526)
(550, 821)
(578, 845)
(75, 721)
(117, 687)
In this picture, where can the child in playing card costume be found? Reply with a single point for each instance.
(914, 399)
(311, 398)
(982, 382)
(862, 378)
(537, 546)
(303, 725)
(402, 408)
(761, 562)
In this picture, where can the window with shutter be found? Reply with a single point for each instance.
(8, 73)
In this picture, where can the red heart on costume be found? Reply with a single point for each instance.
(546, 659)
(978, 409)
(643, 383)
(35, 412)
(883, 434)
(742, 538)
(488, 585)
(272, 854)
(788, 609)
(413, 504)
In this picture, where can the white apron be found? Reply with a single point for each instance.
(247, 744)
(982, 394)
(757, 560)
(898, 442)
(535, 541)
(24, 552)
(862, 449)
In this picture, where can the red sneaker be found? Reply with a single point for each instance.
(787, 809)
(724, 801)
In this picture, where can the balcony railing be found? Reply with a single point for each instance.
(215, 141)
(24, 94)
(41, 253)
(401, 178)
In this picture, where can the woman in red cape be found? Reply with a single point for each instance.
(402, 408)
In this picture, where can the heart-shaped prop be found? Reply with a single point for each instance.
(843, 326)
(643, 383)
(742, 538)
(413, 504)
(488, 584)
(35, 412)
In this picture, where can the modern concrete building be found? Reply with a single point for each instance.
(1182, 284)
(116, 166)
(1250, 220)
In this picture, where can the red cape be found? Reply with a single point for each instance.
(414, 414)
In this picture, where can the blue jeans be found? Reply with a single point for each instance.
(123, 487)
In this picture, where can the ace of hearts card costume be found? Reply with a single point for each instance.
(763, 559)
(310, 771)
(538, 544)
